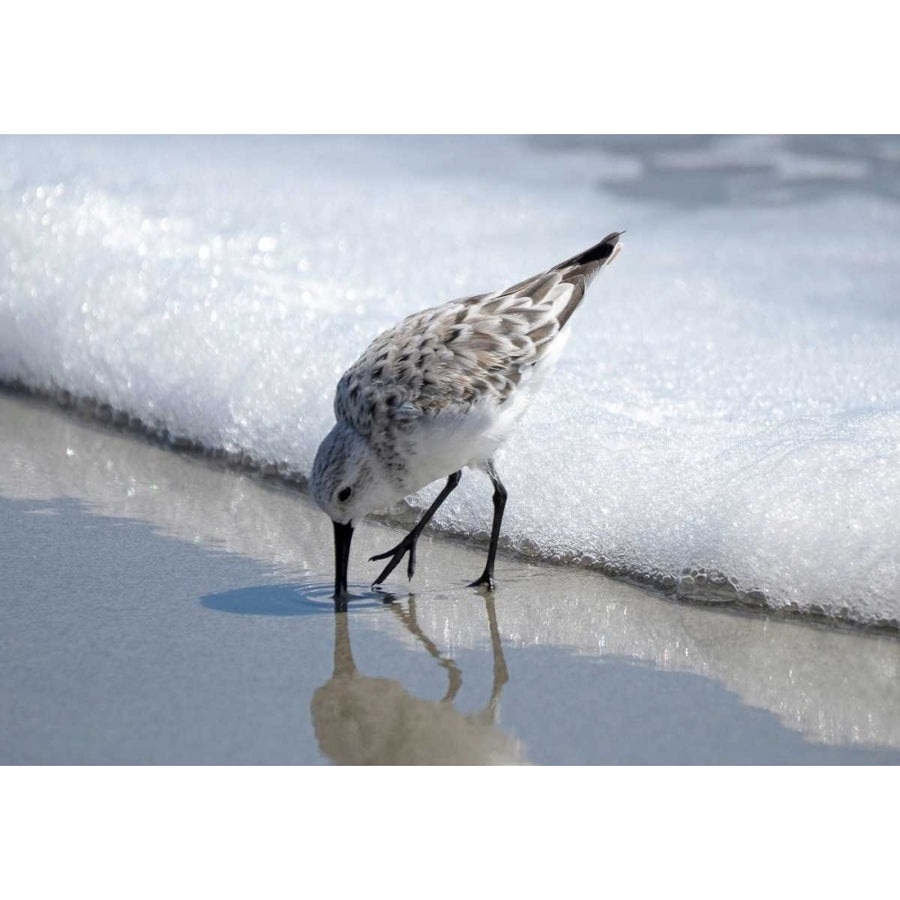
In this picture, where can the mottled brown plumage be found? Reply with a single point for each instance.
(466, 351)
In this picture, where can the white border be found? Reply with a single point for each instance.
(446, 833)
(484, 66)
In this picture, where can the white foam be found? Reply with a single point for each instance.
(729, 399)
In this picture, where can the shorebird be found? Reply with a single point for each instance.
(439, 392)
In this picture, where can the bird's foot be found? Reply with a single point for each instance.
(408, 544)
(486, 582)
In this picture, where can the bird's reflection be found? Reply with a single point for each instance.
(362, 720)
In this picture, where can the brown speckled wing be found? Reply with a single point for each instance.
(449, 357)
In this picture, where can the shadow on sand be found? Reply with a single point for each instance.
(295, 599)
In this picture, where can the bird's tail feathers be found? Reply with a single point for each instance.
(581, 269)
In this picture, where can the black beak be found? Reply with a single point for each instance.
(343, 534)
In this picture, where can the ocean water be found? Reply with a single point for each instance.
(724, 422)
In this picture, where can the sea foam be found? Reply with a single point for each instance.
(725, 421)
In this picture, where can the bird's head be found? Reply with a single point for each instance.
(347, 481)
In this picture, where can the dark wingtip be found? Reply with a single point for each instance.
(598, 252)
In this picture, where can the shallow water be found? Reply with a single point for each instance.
(729, 401)
(157, 609)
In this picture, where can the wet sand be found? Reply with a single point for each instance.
(155, 608)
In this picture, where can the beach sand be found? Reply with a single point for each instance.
(158, 608)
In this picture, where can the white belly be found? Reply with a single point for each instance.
(448, 442)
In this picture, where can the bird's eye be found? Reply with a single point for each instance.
(344, 494)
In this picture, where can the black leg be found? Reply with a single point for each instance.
(487, 576)
(409, 542)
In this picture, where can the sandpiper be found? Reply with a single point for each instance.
(438, 392)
